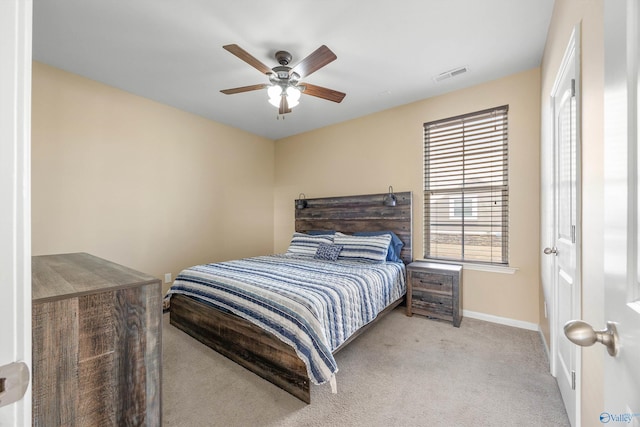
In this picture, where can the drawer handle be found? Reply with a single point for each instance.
(430, 283)
(420, 298)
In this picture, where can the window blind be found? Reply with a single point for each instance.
(466, 188)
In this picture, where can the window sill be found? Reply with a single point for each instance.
(502, 269)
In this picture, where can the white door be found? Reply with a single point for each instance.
(622, 266)
(565, 241)
(15, 233)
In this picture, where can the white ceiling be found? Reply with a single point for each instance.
(388, 50)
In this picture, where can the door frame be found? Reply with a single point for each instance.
(15, 195)
(571, 56)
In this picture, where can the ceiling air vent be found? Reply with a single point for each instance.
(451, 73)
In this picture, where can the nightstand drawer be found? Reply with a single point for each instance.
(432, 304)
(431, 281)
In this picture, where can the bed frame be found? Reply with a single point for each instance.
(264, 353)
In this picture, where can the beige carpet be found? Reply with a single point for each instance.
(405, 371)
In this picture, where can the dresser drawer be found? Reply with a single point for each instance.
(432, 281)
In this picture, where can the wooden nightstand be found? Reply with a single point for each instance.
(435, 290)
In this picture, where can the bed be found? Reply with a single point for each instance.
(217, 305)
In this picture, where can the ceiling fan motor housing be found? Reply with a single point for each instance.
(283, 57)
(282, 72)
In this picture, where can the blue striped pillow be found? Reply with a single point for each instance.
(395, 247)
(363, 248)
(307, 245)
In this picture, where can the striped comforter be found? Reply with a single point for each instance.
(310, 304)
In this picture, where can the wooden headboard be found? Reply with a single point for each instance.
(349, 214)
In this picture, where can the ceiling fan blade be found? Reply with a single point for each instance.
(316, 60)
(284, 106)
(244, 89)
(323, 92)
(247, 57)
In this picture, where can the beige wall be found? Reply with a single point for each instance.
(589, 14)
(368, 154)
(141, 183)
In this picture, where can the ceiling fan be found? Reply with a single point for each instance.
(285, 87)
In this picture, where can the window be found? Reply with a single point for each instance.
(466, 188)
(467, 207)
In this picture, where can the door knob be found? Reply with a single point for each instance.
(14, 380)
(582, 334)
(549, 251)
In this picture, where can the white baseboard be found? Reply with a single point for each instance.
(544, 344)
(501, 320)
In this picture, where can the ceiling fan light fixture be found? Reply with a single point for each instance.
(293, 96)
(275, 102)
(274, 92)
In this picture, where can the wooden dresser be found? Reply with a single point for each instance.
(435, 290)
(96, 343)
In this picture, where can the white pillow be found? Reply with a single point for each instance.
(363, 248)
(307, 245)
